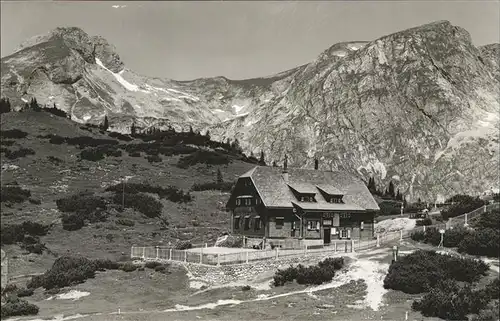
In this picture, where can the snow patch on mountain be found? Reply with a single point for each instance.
(120, 79)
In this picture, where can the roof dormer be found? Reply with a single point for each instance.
(303, 192)
(331, 194)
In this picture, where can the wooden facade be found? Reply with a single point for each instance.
(251, 217)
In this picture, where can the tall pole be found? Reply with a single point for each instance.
(123, 194)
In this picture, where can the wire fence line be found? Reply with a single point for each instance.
(200, 254)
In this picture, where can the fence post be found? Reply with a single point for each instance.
(378, 240)
(143, 253)
(276, 253)
(345, 245)
(206, 244)
(335, 246)
(484, 208)
(465, 220)
(132, 252)
(201, 255)
(185, 255)
(424, 228)
(352, 246)
(170, 255)
(247, 257)
(305, 249)
(400, 235)
(218, 259)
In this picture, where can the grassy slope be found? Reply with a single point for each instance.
(48, 182)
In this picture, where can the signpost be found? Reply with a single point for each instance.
(441, 231)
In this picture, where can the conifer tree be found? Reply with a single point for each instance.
(207, 135)
(262, 161)
(133, 129)
(105, 124)
(274, 164)
(391, 190)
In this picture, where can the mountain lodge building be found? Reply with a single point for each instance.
(312, 206)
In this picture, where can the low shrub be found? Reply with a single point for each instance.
(323, 272)
(13, 134)
(55, 160)
(14, 194)
(24, 292)
(246, 288)
(464, 204)
(420, 271)
(171, 193)
(212, 186)
(203, 157)
(82, 202)
(14, 233)
(16, 307)
(128, 267)
(22, 152)
(154, 159)
(490, 313)
(69, 270)
(35, 201)
(161, 269)
(182, 245)
(120, 136)
(424, 222)
(489, 219)
(72, 221)
(134, 154)
(450, 301)
(92, 154)
(485, 242)
(140, 202)
(125, 221)
(7, 142)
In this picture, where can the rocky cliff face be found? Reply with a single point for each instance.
(419, 107)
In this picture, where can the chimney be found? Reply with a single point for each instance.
(285, 169)
(316, 164)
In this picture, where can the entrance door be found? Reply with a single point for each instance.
(327, 235)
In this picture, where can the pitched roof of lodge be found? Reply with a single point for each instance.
(275, 192)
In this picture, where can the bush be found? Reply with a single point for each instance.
(430, 236)
(82, 202)
(182, 245)
(72, 221)
(7, 142)
(232, 241)
(128, 267)
(321, 273)
(152, 264)
(453, 237)
(420, 271)
(171, 193)
(140, 202)
(13, 133)
(425, 222)
(212, 186)
(161, 269)
(450, 301)
(482, 242)
(490, 313)
(92, 154)
(17, 307)
(488, 220)
(154, 159)
(465, 204)
(13, 233)
(25, 292)
(125, 221)
(119, 136)
(69, 270)
(14, 194)
(22, 152)
(203, 157)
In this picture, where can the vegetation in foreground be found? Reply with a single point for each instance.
(446, 281)
(483, 239)
(323, 272)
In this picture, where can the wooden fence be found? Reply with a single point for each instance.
(201, 256)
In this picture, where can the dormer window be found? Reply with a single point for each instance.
(336, 199)
(306, 198)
